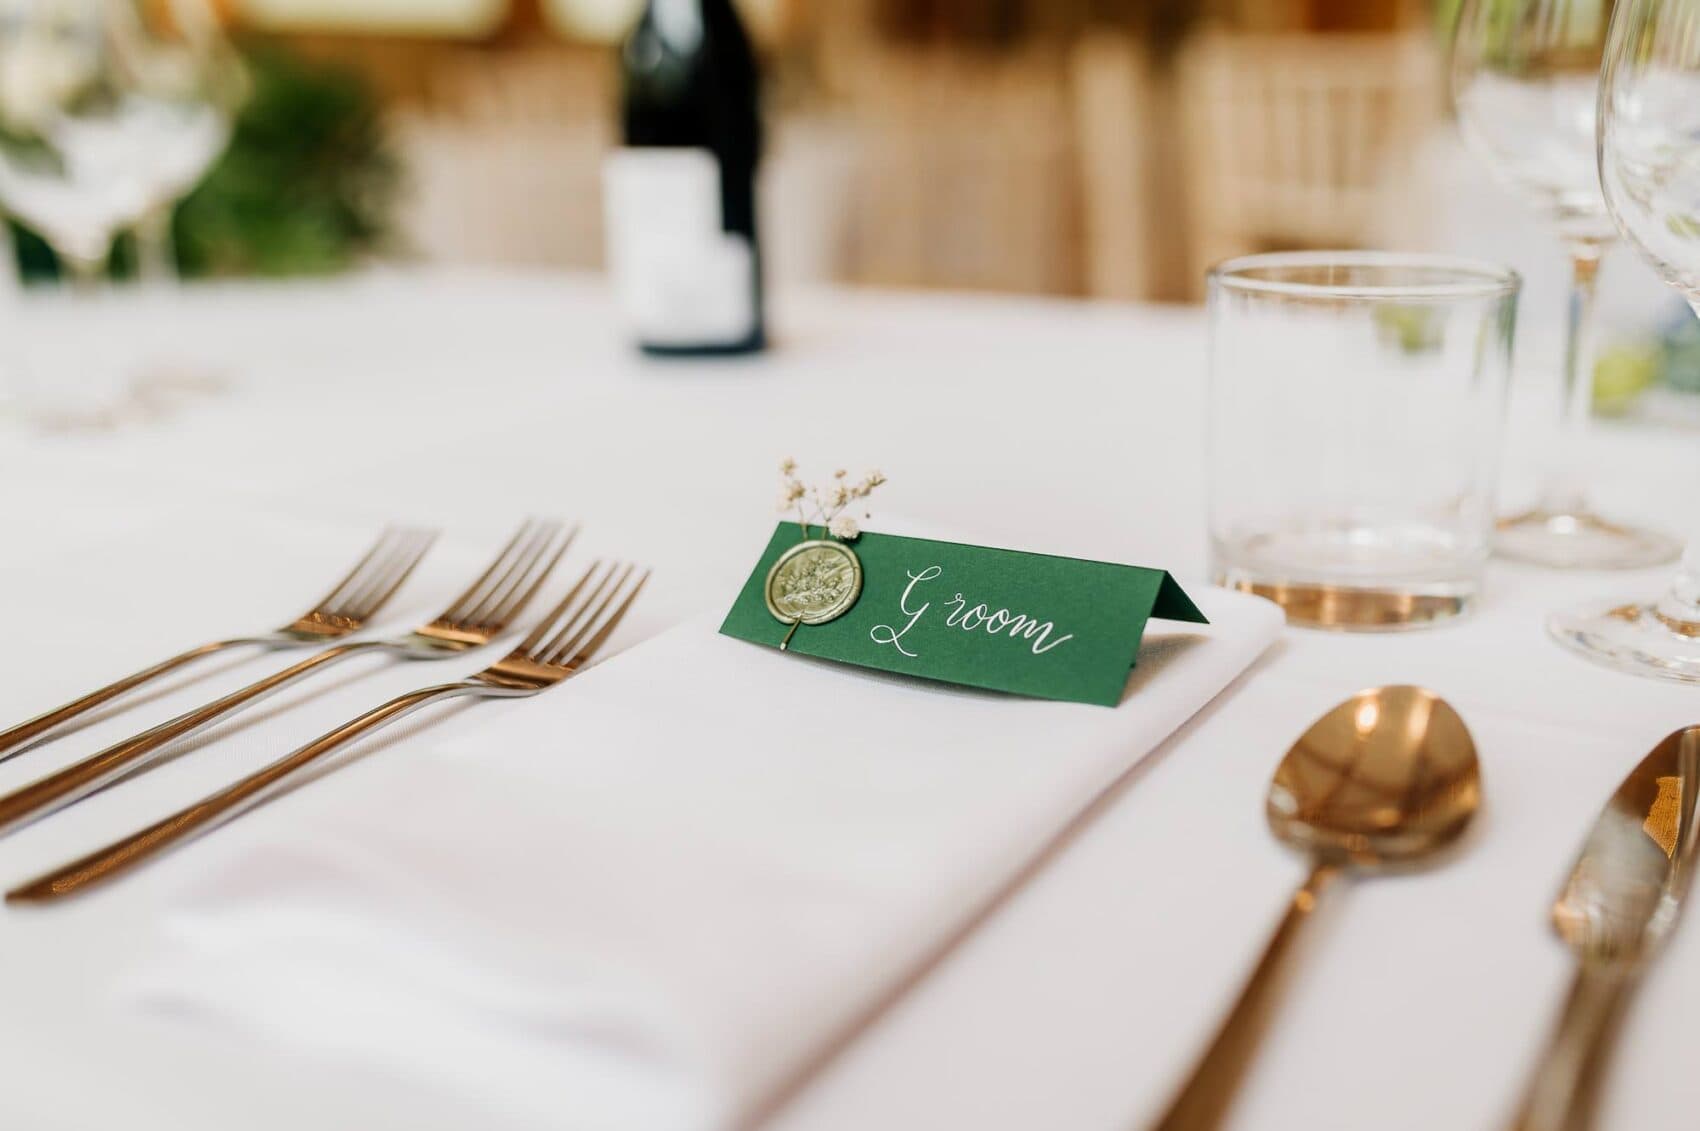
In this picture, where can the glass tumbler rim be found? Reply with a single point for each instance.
(1427, 277)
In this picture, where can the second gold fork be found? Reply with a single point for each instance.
(475, 618)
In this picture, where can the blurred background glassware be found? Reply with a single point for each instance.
(190, 132)
(1357, 406)
(1525, 79)
(1649, 162)
(107, 109)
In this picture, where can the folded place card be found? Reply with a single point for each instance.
(1032, 624)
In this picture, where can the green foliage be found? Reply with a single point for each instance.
(1412, 329)
(1628, 369)
(309, 180)
(1586, 16)
(1682, 353)
(1447, 12)
(308, 184)
(1623, 373)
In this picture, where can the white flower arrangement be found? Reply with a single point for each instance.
(827, 505)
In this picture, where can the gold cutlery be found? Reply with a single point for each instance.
(560, 646)
(354, 601)
(1617, 909)
(474, 619)
(1384, 779)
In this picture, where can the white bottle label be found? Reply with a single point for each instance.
(678, 278)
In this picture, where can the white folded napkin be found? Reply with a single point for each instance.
(648, 898)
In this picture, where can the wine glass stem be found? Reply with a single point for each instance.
(155, 263)
(85, 275)
(1565, 493)
(1679, 608)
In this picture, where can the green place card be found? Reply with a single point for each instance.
(1032, 624)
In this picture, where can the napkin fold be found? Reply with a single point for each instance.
(650, 898)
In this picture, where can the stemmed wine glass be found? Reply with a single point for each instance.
(191, 132)
(96, 99)
(1525, 78)
(1649, 161)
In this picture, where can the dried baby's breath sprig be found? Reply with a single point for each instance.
(825, 505)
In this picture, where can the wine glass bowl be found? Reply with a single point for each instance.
(72, 165)
(1649, 142)
(1537, 129)
(1525, 80)
(199, 83)
(1649, 160)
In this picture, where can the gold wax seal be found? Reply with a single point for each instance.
(814, 582)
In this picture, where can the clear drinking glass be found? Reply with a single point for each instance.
(1357, 410)
(1649, 161)
(1525, 79)
(97, 99)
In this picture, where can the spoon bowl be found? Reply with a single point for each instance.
(1385, 779)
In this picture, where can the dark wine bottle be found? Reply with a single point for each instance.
(679, 197)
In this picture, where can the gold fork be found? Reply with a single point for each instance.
(344, 610)
(561, 645)
(475, 618)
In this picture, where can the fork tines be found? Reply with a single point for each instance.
(583, 621)
(502, 592)
(386, 566)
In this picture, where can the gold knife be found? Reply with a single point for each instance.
(1615, 912)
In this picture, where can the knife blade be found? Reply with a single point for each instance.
(1615, 912)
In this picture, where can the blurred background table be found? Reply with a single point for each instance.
(1072, 428)
(1108, 149)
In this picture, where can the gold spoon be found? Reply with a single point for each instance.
(1384, 779)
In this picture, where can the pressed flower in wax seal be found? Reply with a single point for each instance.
(819, 579)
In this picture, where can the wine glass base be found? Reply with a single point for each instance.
(1581, 541)
(1630, 638)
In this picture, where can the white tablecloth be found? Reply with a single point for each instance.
(1079, 999)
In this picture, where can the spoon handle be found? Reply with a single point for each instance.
(1205, 1098)
(1565, 1089)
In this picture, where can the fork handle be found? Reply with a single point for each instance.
(79, 779)
(234, 800)
(39, 727)
(1207, 1094)
(1565, 1088)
